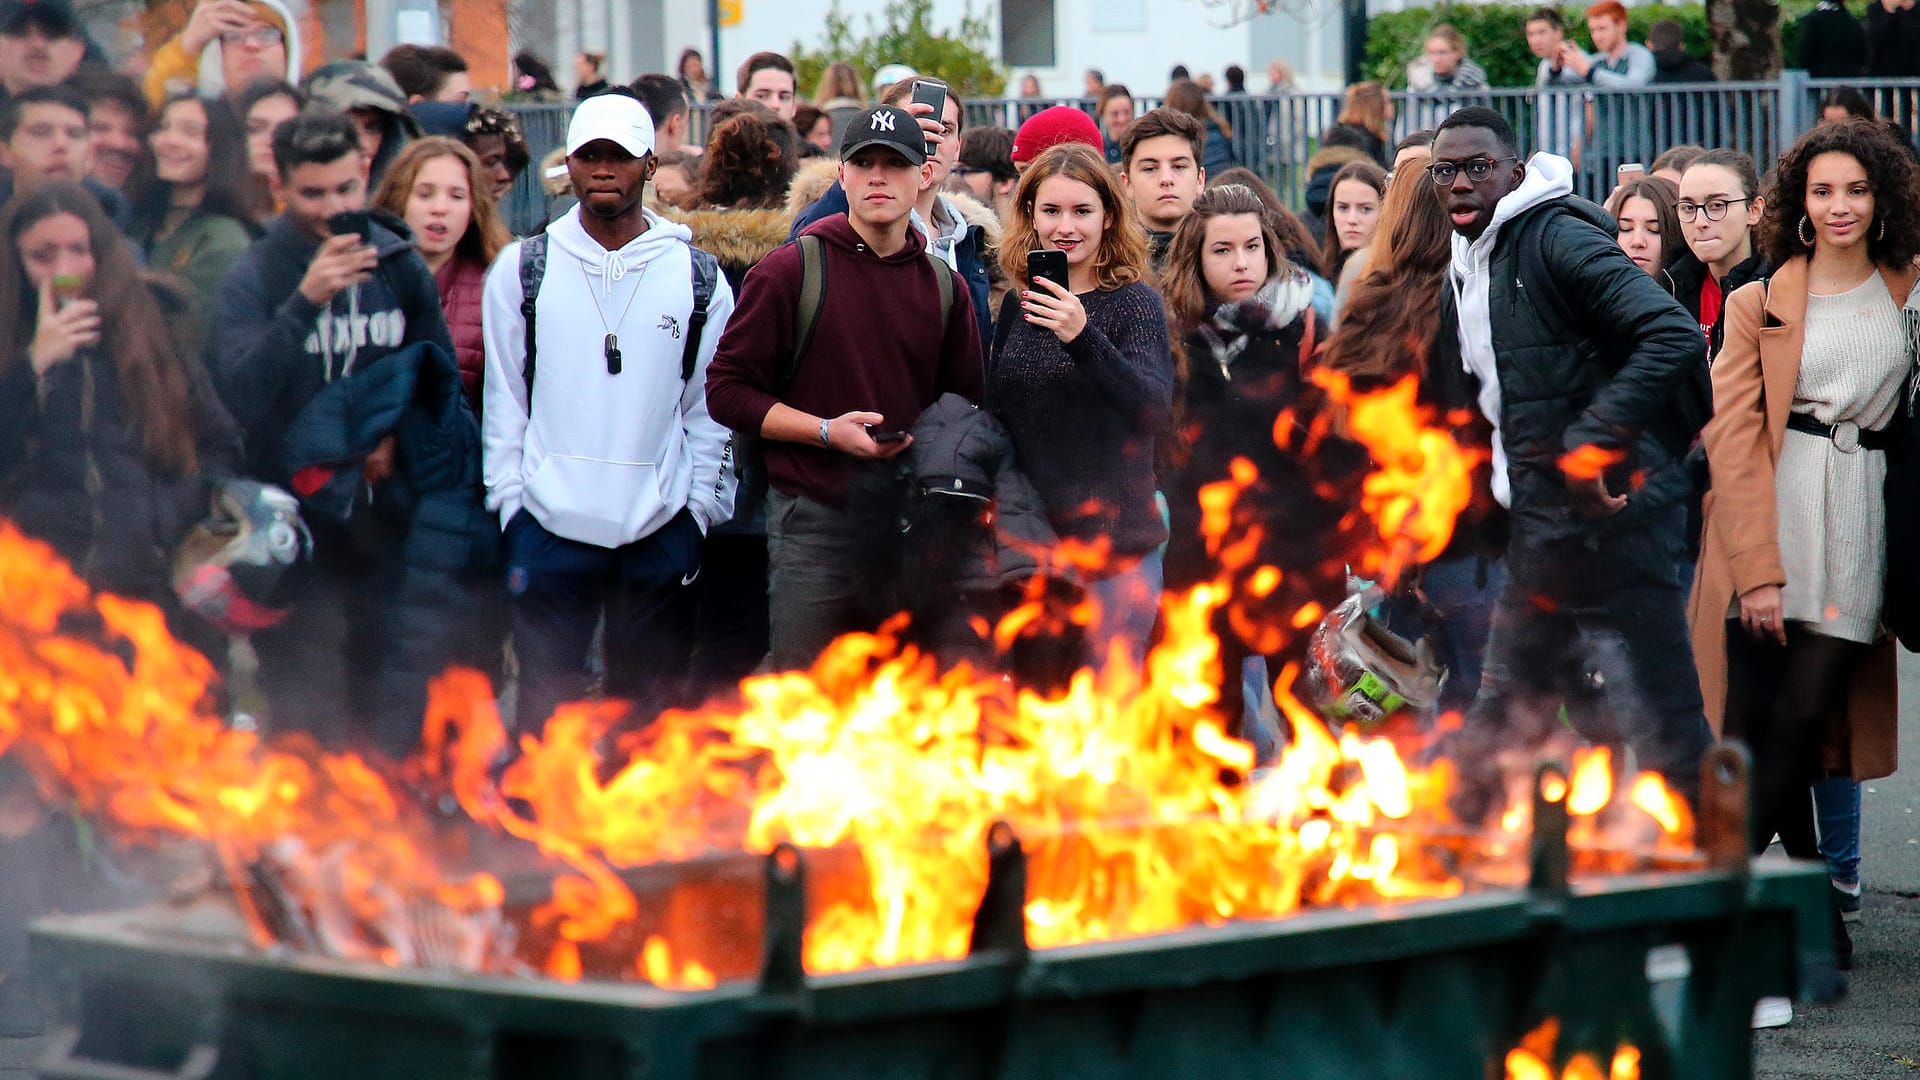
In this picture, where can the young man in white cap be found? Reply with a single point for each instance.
(890, 330)
(600, 458)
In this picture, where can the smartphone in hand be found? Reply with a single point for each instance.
(1630, 172)
(350, 223)
(934, 94)
(1049, 264)
(885, 437)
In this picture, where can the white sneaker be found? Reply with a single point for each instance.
(1772, 1012)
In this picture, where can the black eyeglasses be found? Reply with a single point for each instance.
(1478, 171)
(1715, 209)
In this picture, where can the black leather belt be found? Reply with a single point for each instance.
(1846, 434)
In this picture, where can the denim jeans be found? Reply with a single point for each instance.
(1129, 604)
(813, 588)
(1836, 808)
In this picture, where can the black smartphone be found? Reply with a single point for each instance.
(934, 94)
(887, 436)
(349, 222)
(1049, 264)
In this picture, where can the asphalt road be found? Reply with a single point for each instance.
(1875, 1031)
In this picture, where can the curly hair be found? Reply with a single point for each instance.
(750, 160)
(1123, 257)
(1891, 173)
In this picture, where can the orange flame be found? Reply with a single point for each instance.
(1532, 1059)
(1589, 462)
(1137, 812)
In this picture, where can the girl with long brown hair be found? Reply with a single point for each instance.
(108, 422)
(1244, 316)
(1399, 322)
(1082, 377)
(440, 189)
(1353, 210)
(839, 86)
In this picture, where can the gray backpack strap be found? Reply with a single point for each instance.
(813, 297)
(943, 276)
(706, 277)
(533, 267)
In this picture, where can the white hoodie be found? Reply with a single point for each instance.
(605, 459)
(1548, 177)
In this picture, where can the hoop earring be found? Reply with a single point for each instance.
(1801, 232)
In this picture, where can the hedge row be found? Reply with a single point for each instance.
(1497, 35)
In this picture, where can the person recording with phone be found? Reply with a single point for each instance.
(807, 368)
(959, 230)
(1082, 376)
(324, 295)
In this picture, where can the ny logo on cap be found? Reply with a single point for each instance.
(882, 121)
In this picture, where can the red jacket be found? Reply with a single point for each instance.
(877, 346)
(461, 282)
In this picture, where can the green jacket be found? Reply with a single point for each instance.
(199, 252)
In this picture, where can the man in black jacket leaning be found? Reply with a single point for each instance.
(1581, 357)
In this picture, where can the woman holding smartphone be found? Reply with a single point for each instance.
(108, 422)
(1789, 594)
(1082, 377)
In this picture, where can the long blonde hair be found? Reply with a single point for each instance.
(1123, 257)
(485, 234)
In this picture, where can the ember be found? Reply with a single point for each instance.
(1133, 805)
(1532, 1059)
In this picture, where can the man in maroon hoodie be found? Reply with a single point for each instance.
(879, 354)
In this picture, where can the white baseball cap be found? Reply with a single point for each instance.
(615, 117)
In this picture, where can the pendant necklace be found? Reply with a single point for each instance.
(611, 348)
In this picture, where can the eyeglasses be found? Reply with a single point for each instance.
(1478, 171)
(259, 35)
(1715, 209)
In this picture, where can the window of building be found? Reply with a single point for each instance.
(1026, 33)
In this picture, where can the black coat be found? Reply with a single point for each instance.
(961, 453)
(1681, 66)
(434, 503)
(73, 472)
(1360, 138)
(1833, 44)
(1690, 273)
(1590, 351)
(1893, 41)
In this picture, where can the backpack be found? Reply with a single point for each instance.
(533, 268)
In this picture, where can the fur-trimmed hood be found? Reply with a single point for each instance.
(816, 175)
(738, 238)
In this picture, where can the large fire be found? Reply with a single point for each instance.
(1138, 813)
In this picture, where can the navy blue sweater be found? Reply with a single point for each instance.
(1085, 415)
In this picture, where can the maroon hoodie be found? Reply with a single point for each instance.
(878, 346)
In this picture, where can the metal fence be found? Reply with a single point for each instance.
(1276, 136)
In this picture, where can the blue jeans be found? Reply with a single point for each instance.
(1836, 809)
(1129, 604)
(1464, 610)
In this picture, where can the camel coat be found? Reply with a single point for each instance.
(1753, 388)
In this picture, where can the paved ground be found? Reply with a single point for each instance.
(1875, 1032)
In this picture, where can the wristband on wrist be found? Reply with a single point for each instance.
(824, 441)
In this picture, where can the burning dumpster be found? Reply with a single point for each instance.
(1654, 968)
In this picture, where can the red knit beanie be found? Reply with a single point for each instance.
(1051, 127)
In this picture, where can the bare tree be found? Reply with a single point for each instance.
(1311, 13)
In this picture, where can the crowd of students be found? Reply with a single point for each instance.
(695, 429)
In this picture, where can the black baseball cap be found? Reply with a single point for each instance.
(54, 16)
(885, 125)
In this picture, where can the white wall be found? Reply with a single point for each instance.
(1171, 32)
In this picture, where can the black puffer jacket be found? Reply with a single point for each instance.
(962, 456)
(73, 473)
(1689, 273)
(1590, 350)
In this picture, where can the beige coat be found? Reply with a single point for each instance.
(1753, 388)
